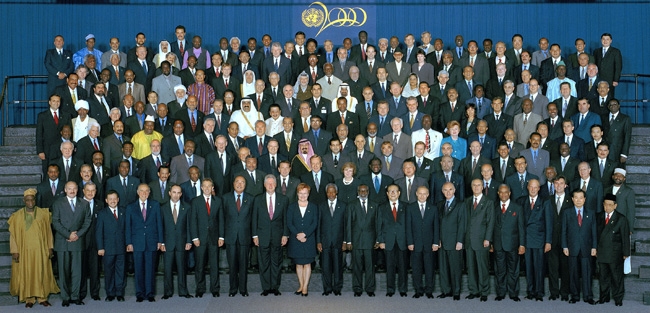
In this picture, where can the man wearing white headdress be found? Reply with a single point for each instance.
(302, 89)
(344, 91)
(179, 103)
(246, 118)
(248, 84)
(81, 122)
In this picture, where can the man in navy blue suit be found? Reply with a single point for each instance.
(579, 243)
(144, 237)
(109, 233)
(58, 63)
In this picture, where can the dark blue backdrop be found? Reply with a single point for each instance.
(29, 28)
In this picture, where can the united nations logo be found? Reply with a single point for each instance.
(313, 17)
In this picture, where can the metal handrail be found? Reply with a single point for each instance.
(636, 94)
(3, 94)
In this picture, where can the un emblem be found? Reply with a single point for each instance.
(313, 17)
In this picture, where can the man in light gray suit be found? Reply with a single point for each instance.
(540, 101)
(70, 220)
(131, 87)
(164, 84)
(536, 158)
(398, 70)
(342, 64)
(180, 164)
(392, 164)
(480, 65)
(512, 103)
(115, 49)
(525, 123)
(401, 142)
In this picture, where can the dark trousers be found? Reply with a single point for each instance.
(580, 267)
(114, 275)
(238, 263)
(171, 259)
(332, 266)
(209, 252)
(423, 262)
(270, 262)
(450, 271)
(363, 270)
(507, 273)
(396, 261)
(90, 271)
(612, 281)
(535, 272)
(558, 269)
(145, 273)
(69, 263)
(478, 274)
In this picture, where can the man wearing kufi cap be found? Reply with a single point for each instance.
(142, 139)
(78, 57)
(625, 196)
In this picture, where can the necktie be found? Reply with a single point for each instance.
(144, 212)
(289, 104)
(522, 182)
(582, 118)
(552, 123)
(370, 66)
(72, 206)
(99, 174)
(558, 205)
(412, 121)
(336, 161)
(368, 109)
(602, 167)
(582, 73)
(497, 117)
(604, 51)
(551, 188)
(275, 93)
(144, 67)
(580, 218)
(316, 182)
(383, 88)
(74, 97)
(260, 147)
(377, 184)
(394, 212)
(427, 142)
(607, 218)
(193, 121)
(342, 118)
(332, 208)
(563, 163)
(525, 119)
(509, 146)
(189, 161)
(526, 90)
(408, 190)
(363, 206)
(238, 203)
(469, 85)
(584, 186)
(95, 144)
(287, 141)
(611, 119)
(475, 202)
(207, 205)
(568, 140)
(395, 140)
(53, 189)
(486, 189)
(503, 170)
(252, 176)
(387, 164)
(471, 61)
(175, 213)
(503, 208)
(442, 90)
(271, 207)
(419, 163)
(124, 184)
(532, 203)
(182, 49)
(180, 144)
(591, 83)
(162, 189)
(193, 189)
(447, 177)
(158, 164)
(129, 91)
(422, 210)
(276, 65)
(115, 213)
(56, 118)
(313, 75)
(284, 186)
(447, 205)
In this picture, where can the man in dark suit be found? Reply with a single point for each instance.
(69, 166)
(257, 144)
(376, 182)
(553, 122)
(409, 183)
(525, 65)
(518, 181)
(90, 259)
(593, 188)
(498, 122)
(70, 94)
(218, 166)
(164, 123)
(173, 145)
(480, 231)
(222, 118)
(70, 220)
(59, 65)
(277, 63)
(334, 160)
(330, 240)
(503, 162)
(539, 235)
(509, 241)
(588, 87)
(337, 118)
(49, 124)
(361, 238)
(490, 186)
(453, 223)
(566, 165)
(270, 234)
(319, 138)
(579, 243)
(618, 133)
(470, 166)
(603, 166)
(89, 144)
(206, 224)
(453, 110)
(614, 246)
(238, 207)
(109, 235)
(191, 114)
(268, 162)
(625, 197)
(149, 165)
(244, 65)
(317, 180)
(180, 164)
(446, 174)
(124, 184)
(205, 140)
(254, 177)
(144, 237)
(342, 64)
(50, 188)
(567, 103)
(547, 67)
(609, 61)
(287, 184)
(99, 105)
(558, 268)
(391, 226)
(160, 186)
(143, 68)
(422, 239)
(575, 143)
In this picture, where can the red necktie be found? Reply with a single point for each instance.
(503, 208)
(270, 207)
(193, 122)
(226, 82)
(259, 102)
(207, 205)
(313, 75)
(238, 203)
(475, 203)
(394, 212)
(260, 147)
(532, 204)
(182, 49)
(427, 142)
(56, 119)
(115, 214)
(95, 145)
(579, 219)
(606, 219)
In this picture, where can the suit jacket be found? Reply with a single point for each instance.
(365, 72)
(509, 227)
(579, 239)
(169, 147)
(435, 187)
(453, 223)
(187, 78)
(65, 221)
(392, 231)
(537, 166)
(425, 170)
(547, 71)
(513, 181)
(570, 170)
(577, 146)
(48, 132)
(127, 195)
(220, 129)
(167, 128)
(396, 110)
(207, 228)
(489, 146)
(67, 105)
(552, 147)
(351, 120)
(395, 171)
(342, 72)
(402, 77)
(253, 188)
(284, 70)
(148, 170)
(141, 77)
(583, 130)
(379, 93)
(184, 116)
(204, 146)
(523, 130)
(608, 170)
(599, 107)
(480, 223)
(538, 220)
(109, 232)
(237, 222)
(176, 234)
(618, 134)
(497, 128)
(411, 197)
(609, 65)
(492, 62)
(532, 68)
(382, 129)
(317, 196)
(264, 163)
(378, 197)
(362, 227)
(156, 193)
(179, 167)
(417, 122)
(481, 67)
(219, 86)
(558, 217)
(594, 198)
(165, 92)
(55, 63)
(44, 196)
(230, 148)
(75, 168)
(422, 231)
(190, 192)
(613, 237)
(403, 149)
(625, 203)
(496, 168)
(466, 170)
(583, 87)
(573, 60)
(447, 115)
(144, 234)
(237, 71)
(137, 92)
(98, 111)
(464, 93)
(555, 131)
(253, 142)
(85, 149)
(321, 143)
(119, 78)
(441, 96)
(270, 231)
(572, 108)
(331, 227)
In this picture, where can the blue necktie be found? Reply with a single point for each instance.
(377, 184)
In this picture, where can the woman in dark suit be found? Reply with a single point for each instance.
(348, 184)
(469, 122)
(302, 220)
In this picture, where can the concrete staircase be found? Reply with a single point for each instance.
(20, 168)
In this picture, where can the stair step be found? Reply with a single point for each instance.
(640, 130)
(24, 131)
(636, 179)
(635, 150)
(11, 201)
(639, 160)
(20, 179)
(637, 169)
(21, 160)
(15, 190)
(642, 246)
(17, 150)
(6, 212)
(640, 189)
(638, 260)
(20, 141)
(640, 140)
(25, 169)
(642, 223)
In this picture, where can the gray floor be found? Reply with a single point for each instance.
(288, 302)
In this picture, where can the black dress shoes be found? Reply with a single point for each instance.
(530, 297)
(483, 298)
(552, 298)
(120, 299)
(357, 294)
(444, 295)
(79, 302)
(417, 295)
(277, 292)
(603, 301)
(619, 303)
(265, 293)
(96, 298)
(326, 293)
(402, 294)
(572, 301)
(337, 292)
(456, 298)
(565, 299)
(244, 294)
(151, 299)
(109, 299)
(591, 301)
(65, 303)
(499, 298)
(165, 297)
(232, 294)
(539, 299)
(515, 299)
(199, 295)
(389, 294)
(370, 294)
(472, 296)
(188, 296)
(430, 295)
